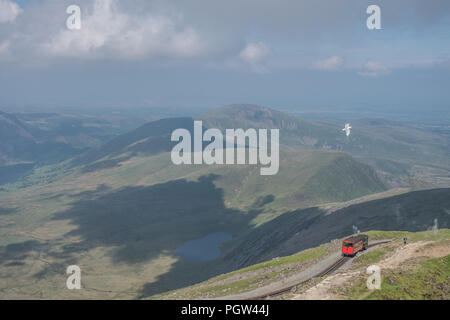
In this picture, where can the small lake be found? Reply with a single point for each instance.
(204, 249)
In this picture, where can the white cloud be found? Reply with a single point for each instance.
(4, 46)
(374, 69)
(255, 54)
(108, 31)
(332, 63)
(142, 29)
(8, 11)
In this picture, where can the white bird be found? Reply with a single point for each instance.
(347, 129)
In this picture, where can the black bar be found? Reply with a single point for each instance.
(264, 309)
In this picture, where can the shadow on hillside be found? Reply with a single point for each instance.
(7, 211)
(298, 230)
(13, 255)
(145, 222)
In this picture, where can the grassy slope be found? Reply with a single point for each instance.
(425, 278)
(418, 283)
(429, 281)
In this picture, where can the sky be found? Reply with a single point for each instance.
(301, 55)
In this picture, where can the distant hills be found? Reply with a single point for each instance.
(149, 139)
(17, 141)
(24, 143)
(34, 139)
(404, 154)
(306, 177)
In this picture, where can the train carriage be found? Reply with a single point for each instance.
(351, 246)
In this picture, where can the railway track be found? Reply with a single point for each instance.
(335, 266)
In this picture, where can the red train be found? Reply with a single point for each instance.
(353, 245)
